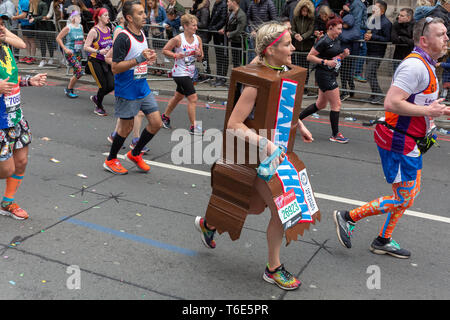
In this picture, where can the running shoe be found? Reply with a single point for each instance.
(70, 94)
(166, 121)
(376, 100)
(345, 96)
(144, 150)
(114, 166)
(110, 138)
(207, 235)
(392, 248)
(282, 278)
(100, 111)
(138, 161)
(31, 60)
(196, 130)
(339, 138)
(94, 99)
(360, 78)
(344, 228)
(42, 63)
(13, 210)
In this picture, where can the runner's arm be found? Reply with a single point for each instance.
(396, 102)
(200, 49)
(89, 39)
(167, 50)
(240, 113)
(11, 39)
(306, 134)
(313, 57)
(61, 36)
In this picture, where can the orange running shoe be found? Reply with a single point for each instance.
(138, 161)
(13, 210)
(114, 166)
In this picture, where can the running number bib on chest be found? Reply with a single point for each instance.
(12, 101)
(288, 209)
(140, 71)
(78, 45)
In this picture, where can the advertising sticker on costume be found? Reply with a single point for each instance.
(307, 190)
(288, 209)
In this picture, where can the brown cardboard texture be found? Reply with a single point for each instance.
(232, 181)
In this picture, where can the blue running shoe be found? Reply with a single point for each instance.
(133, 144)
(339, 138)
(70, 94)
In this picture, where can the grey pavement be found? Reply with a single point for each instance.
(133, 236)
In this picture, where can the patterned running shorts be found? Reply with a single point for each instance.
(14, 138)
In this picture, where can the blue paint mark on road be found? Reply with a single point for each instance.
(132, 237)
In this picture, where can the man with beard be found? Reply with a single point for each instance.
(411, 104)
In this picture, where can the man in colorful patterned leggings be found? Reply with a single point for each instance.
(411, 104)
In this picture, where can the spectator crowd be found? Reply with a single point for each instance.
(367, 30)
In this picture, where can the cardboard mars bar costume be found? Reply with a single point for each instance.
(277, 106)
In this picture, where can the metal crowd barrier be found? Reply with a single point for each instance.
(220, 59)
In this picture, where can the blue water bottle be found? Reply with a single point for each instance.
(266, 168)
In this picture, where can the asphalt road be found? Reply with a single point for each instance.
(101, 236)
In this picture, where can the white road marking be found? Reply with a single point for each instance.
(317, 195)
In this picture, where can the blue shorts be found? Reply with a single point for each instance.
(398, 167)
(127, 109)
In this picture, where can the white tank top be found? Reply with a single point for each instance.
(136, 48)
(185, 66)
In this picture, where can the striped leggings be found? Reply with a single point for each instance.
(394, 206)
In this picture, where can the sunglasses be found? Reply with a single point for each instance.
(428, 20)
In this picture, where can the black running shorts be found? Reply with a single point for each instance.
(185, 85)
(326, 80)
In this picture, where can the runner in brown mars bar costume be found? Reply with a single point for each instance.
(236, 187)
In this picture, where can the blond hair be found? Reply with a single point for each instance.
(187, 19)
(325, 10)
(421, 3)
(268, 33)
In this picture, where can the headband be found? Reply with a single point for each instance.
(275, 41)
(74, 13)
(102, 11)
(98, 13)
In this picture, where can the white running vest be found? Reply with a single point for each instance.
(185, 66)
(136, 48)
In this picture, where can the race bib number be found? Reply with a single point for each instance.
(140, 71)
(12, 101)
(78, 45)
(288, 209)
(189, 60)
